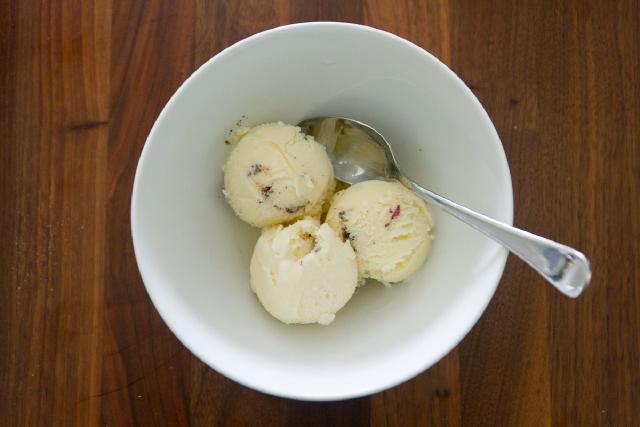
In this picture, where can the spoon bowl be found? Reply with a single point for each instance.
(357, 151)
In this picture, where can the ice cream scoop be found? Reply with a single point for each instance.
(565, 268)
(304, 272)
(388, 226)
(276, 174)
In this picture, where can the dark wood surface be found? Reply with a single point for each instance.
(83, 81)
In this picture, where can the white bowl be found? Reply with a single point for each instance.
(193, 252)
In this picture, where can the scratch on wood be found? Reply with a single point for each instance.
(80, 126)
(154, 369)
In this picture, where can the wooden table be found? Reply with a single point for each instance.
(83, 81)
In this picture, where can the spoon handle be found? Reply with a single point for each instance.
(565, 268)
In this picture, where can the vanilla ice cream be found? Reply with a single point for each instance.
(276, 174)
(304, 272)
(388, 226)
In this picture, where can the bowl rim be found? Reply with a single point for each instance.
(352, 391)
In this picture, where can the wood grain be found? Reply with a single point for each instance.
(82, 83)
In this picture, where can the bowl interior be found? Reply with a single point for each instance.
(194, 253)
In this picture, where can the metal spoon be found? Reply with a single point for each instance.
(359, 153)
